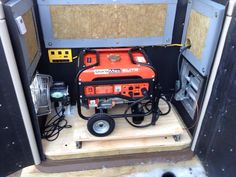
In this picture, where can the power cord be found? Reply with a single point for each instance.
(127, 109)
(139, 101)
(161, 113)
(55, 125)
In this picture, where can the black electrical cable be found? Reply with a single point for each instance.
(169, 107)
(127, 109)
(161, 113)
(55, 125)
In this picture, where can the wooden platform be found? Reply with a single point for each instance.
(166, 126)
(124, 140)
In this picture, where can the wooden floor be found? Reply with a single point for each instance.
(124, 140)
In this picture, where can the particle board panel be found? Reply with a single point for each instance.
(197, 32)
(30, 36)
(65, 147)
(108, 20)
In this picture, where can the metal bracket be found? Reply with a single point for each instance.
(78, 144)
(177, 138)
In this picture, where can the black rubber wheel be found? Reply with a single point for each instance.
(100, 125)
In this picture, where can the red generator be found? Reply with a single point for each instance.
(109, 77)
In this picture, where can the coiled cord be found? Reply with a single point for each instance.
(139, 101)
(161, 113)
(145, 105)
(55, 125)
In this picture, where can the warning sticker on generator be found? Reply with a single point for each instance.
(93, 103)
(117, 88)
(141, 59)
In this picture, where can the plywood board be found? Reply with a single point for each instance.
(108, 20)
(166, 126)
(30, 35)
(65, 147)
(197, 33)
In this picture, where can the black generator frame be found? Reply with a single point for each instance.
(153, 94)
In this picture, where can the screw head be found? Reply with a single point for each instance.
(203, 70)
(167, 40)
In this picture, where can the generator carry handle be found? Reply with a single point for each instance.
(82, 65)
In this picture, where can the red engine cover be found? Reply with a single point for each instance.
(115, 63)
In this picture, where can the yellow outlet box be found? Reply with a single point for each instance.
(60, 55)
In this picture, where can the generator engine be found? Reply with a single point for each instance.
(109, 77)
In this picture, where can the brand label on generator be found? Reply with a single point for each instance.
(129, 70)
(115, 71)
(107, 71)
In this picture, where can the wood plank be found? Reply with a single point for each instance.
(65, 147)
(166, 126)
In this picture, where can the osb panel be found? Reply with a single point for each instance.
(108, 20)
(197, 32)
(30, 35)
